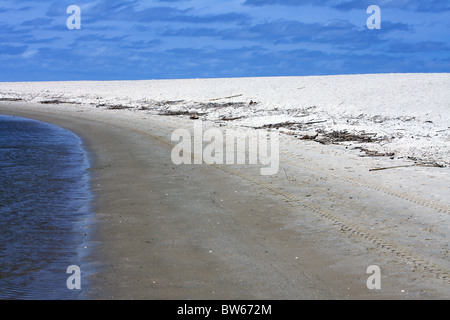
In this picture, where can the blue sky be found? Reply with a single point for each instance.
(173, 39)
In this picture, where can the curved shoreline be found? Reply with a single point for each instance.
(193, 232)
(185, 270)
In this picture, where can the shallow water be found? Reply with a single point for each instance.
(44, 208)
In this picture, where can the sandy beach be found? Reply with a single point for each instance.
(166, 231)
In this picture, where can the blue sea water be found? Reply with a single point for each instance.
(44, 208)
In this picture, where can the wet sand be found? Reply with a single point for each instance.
(199, 232)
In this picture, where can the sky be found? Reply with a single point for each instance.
(179, 39)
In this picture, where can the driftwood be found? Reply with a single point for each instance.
(231, 118)
(10, 99)
(239, 95)
(181, 113)
(385, 168)
(58, 102)
(52, 102)
(313, 122)
(308, 137)
(118, 107)
(435, 165)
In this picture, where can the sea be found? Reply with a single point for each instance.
(45, 211)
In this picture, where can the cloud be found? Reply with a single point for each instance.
(29, 53)
(341, 34)
(100, 38)
(132, 12)
(419, 47)
(37, 22)
(345, 5)
(173, 0)
(12, 49)
(15, 9)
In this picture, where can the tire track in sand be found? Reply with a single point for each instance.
(371, 236)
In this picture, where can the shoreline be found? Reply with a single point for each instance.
(227, 240)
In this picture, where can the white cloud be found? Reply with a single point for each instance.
(29, 53)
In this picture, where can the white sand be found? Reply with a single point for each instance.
(410, 112)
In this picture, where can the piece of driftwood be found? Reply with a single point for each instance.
(394, 167)
(58, 102)
(239, 95)
(181, 113)
(230, 118)
(313, 122)
(51, 101)
(10, 99)
(119, 107)
(435, 165)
